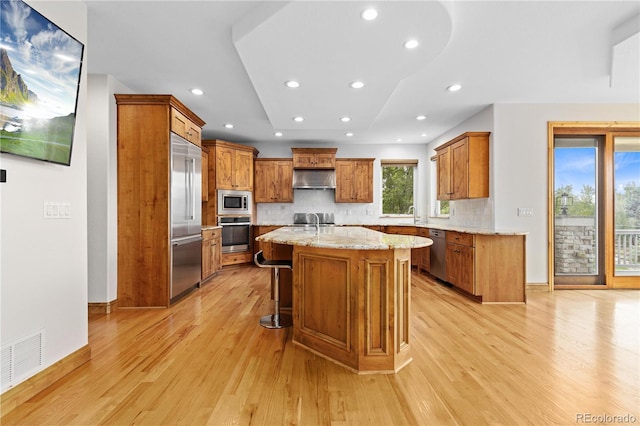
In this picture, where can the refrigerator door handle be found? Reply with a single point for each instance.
(192, 188)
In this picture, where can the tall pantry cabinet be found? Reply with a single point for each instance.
(145, 123)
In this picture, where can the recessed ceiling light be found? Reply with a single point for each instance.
(356, 85)
(278, 134)
(197, 92)
(398, 140)
(454, 87)
(348, 134)
(292, 84)
(298, 119)
(421, 117)
(345, 119)
(369, 14)
(424, 135)
(411, 44)
(228, 126)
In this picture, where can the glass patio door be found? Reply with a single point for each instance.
(578, 219)
(626, 208)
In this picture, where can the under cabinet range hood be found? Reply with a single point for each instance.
(314, 179)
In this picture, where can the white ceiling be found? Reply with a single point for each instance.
(241, 53)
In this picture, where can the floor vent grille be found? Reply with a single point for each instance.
(22, 359)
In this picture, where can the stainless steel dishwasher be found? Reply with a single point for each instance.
(438, 250)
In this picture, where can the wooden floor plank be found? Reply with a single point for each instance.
(206, 360)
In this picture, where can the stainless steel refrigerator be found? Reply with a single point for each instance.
(186, 215)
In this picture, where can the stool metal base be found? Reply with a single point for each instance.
(276, 321)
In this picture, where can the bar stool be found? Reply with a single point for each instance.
(276, 320)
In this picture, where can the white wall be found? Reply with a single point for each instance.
(323, 200)
(103, 187)
(520, 169)
(43, 277)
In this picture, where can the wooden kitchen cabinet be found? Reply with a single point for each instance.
(233, 164)
(273, 178)
(354, 180)
(205, 175)
(460, 261)
(144, 197)
(211, 252)
(488, 266)
(463, 167)
(186, 128)
(314, 158)
(424, 253)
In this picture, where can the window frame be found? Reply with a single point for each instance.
(398, 163)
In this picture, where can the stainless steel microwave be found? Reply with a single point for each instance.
(234, 202)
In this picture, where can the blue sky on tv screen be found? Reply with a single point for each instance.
(47, 58)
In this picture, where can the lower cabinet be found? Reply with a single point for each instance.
(424, 253)
(459, 258)
(490, 267)
(211, 252)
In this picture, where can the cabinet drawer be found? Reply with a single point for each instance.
(209, 234)
(460, 238)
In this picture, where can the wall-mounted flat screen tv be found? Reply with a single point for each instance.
(39, 81)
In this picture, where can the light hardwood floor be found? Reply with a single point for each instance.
(207, 361)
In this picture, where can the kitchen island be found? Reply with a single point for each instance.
(351, 294)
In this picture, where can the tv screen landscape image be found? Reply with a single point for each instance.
(40, 67)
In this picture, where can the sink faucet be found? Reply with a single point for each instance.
(409, 210)
(317, 222)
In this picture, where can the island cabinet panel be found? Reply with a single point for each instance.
(314, 158)
(273, 180)
(354, 180)
(463, 167)
(353, 306)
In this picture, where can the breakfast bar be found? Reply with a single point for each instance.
(351, 294)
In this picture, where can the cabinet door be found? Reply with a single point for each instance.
(460, 169)
(194, 134)
(304, 160)
(205, 175)
(243, 171)
(283, 182)
(225, 159)
(460, 268)
(325, 161)
(263, 186)
(206, 259)
(444, 182)
(179, 123)
(363, 181)
(216, 251)
(344, 182)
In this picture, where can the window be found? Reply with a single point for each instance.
(398, 186)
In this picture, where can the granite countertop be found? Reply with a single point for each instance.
(209, 227)
(444, 227)
(343, 237)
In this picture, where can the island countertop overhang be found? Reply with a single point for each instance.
(343, 237)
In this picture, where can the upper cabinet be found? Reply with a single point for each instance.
(354, 180)
(314, 158)
(183, 126)
(463, 167)
(273, 180)
(233, 164)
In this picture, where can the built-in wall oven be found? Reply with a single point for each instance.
(236, 233)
